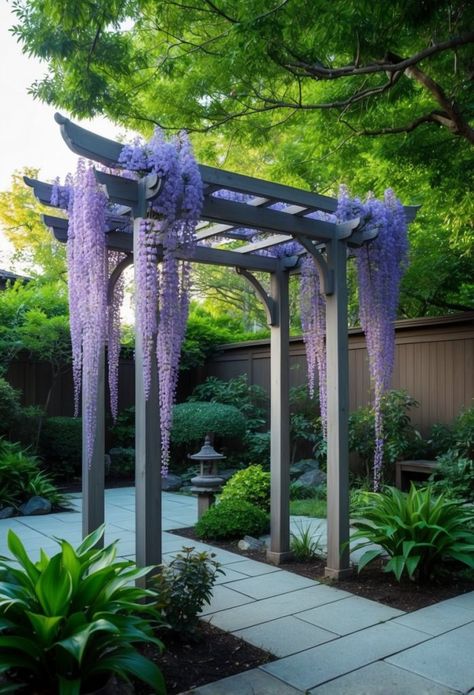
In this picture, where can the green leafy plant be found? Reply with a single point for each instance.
(298, 491)
(70, 621)
(123, 429)
(454, 476)
(463, 430)
(418, 530)
(61, 444)
(122, 462)
(401, 439)
(305, 545)
(22, 478)
(192, 421)
(252, 485)
(232, 518)
(184, 587)
(9, 406)
(256, 448)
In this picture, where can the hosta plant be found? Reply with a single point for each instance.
(418, 530)
(70, 621)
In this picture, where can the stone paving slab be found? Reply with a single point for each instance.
(437, 619)
(285, 636)
(464, 600)
(224, 598)
(273, 584)
(349, 615)
(382, 679)
(252, 568)
(275, 607)
(254, 682)
(230, 576)
(315, 666)
(447, 659)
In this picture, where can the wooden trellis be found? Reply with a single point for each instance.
(222, 219)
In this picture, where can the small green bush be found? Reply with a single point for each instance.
(192, 421)
(454, 476)
(122, 462)
(9, 406)
(232, 519)
(417, 530)
(252, 485)
(123, 429)
(463, 430)
(298, 491)
(61, 444)
(184, 587)
(305, 544)
(256, 448)
(22, 478)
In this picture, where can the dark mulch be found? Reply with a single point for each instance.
(372, 582)
(216, 655)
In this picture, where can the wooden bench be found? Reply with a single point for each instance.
(420, 468)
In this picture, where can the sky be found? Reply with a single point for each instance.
(29, 136)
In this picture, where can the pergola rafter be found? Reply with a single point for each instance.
(226, 221)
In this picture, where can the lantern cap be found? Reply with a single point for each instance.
(207, 452)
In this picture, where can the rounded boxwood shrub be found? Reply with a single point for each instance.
(232, 519)
(252, 485)
(192, 421)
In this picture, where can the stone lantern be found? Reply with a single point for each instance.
(208, 482)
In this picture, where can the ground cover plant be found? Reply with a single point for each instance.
(71, 620)
(418, 530)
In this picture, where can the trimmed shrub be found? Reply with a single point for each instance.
(252, 485)
(232, 519)
(61, 444)
(192, 421)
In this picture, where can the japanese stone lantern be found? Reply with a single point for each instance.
(208, 482)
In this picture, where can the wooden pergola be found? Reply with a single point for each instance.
(222, 219)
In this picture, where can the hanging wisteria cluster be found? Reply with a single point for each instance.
(380, 267)
(88, 275)
(162, 291)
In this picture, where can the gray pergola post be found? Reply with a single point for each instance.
(93, 471)
(147, 455)
(279, 420)
(337, 414)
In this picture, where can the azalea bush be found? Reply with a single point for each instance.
(252, 485)
(69, 621)
(418, 530)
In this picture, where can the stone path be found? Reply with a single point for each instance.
(326, 641)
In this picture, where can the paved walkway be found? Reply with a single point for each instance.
(326, 641)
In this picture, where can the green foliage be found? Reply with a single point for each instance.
(316, 507)
(256, 448)
(252, 484)
(306, 432)
(250, 399)
(298, 491)
(61, 444)
(441, 439)
(123, 429)
(22, 478)
(418, 530)
(122, 462)
(232, 518)
(463, 430)
(305, 544)
(402, 441)
(70, 621)
(9, 406)
(184, 587)
(192, 421)
(454, 476)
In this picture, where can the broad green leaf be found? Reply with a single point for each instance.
(68, 687)
(44, 626)
(17, 549)
(20, 644)
(368, 557)
(54, 588)
(132, 663)
(76, 644)
(91, 540)
(71, 563)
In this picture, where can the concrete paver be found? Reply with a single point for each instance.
(349, 615)
(254, 682)
(438, 618)
(447, 659)
(285, 636)
(315, 666)
(381, 679)
(274, 584)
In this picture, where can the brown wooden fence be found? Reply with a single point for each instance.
(434, 363)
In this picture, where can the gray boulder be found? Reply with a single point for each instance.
(302, 466)
(250, 543)
(313, 478)
(7, 512)
(171, 483)
(36, 505)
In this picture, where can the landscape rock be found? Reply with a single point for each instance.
(36, 505)
(313, 478)
(7, 512)
(250, 543)
(171, 483)
(302, 466)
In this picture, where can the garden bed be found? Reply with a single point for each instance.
(216, 655)
(372, 583)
